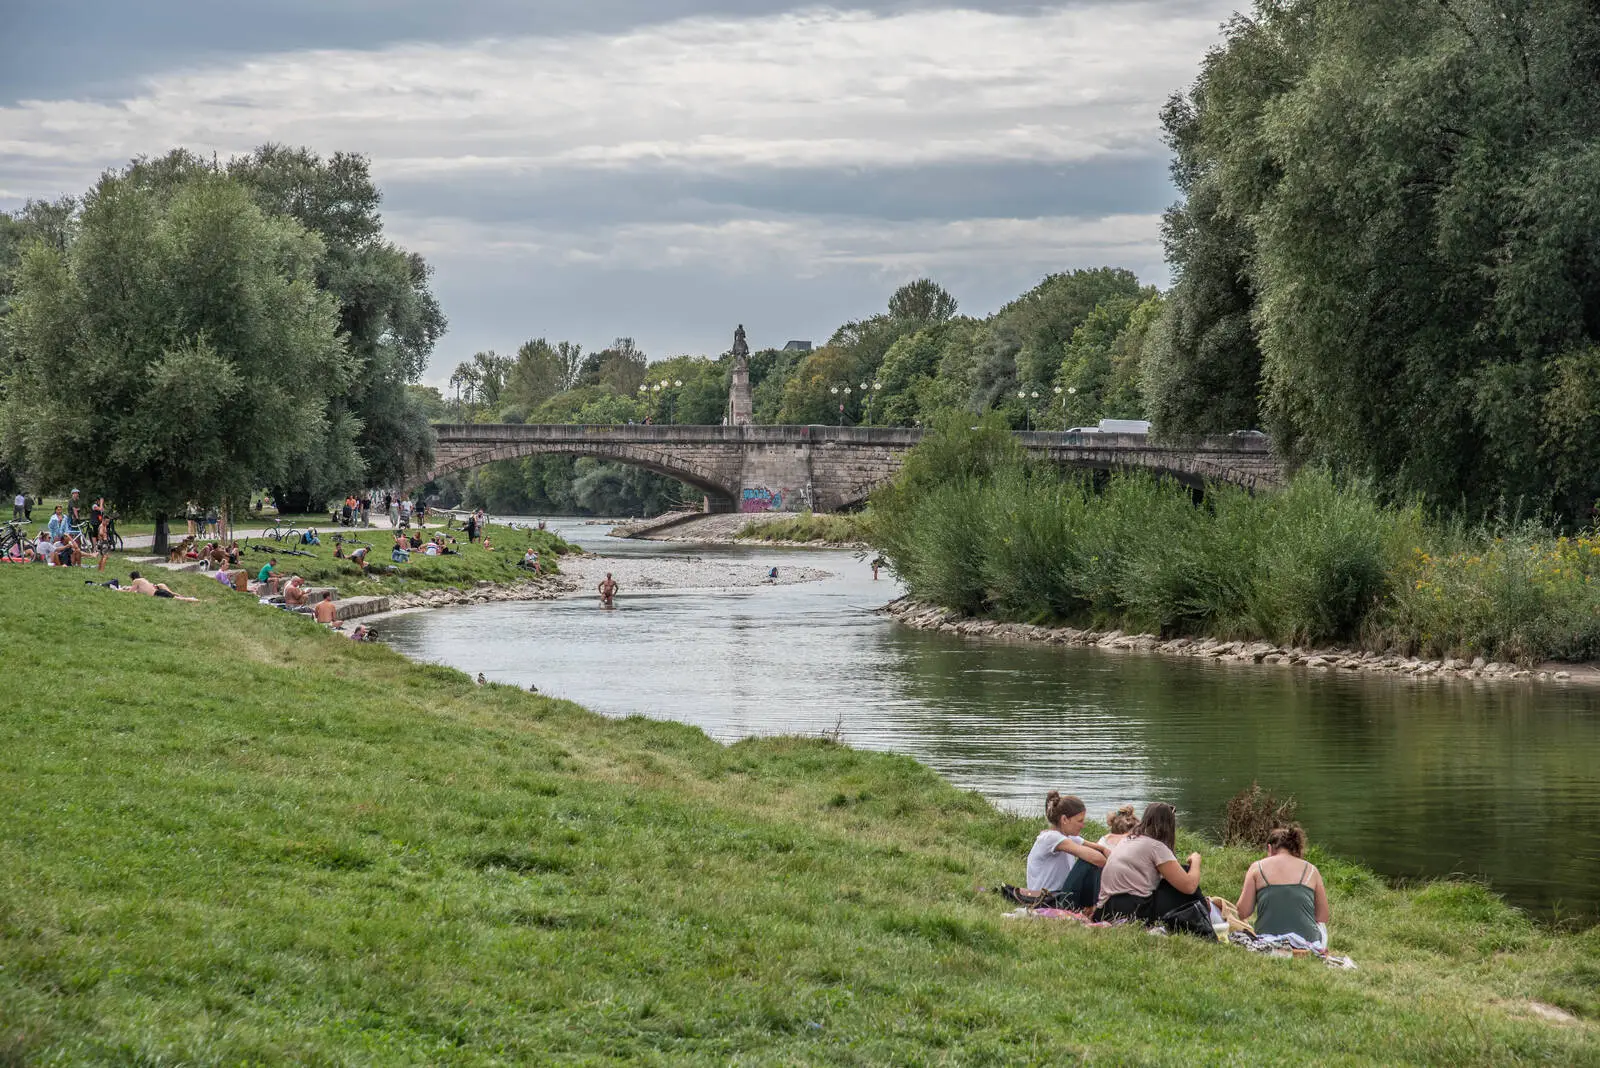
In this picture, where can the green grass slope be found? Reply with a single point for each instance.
(231, 838)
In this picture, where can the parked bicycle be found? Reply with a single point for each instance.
(13, 536)
(279, 532)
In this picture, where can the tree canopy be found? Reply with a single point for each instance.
(177, 347)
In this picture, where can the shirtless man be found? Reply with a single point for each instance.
(140, 584)
(325, 611)
(608, 591)
(294, 594)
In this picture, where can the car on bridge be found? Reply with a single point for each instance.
(1114, 426)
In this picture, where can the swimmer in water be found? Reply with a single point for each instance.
(608, 590)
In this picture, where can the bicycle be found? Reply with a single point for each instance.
(13, 536)
(278, 532)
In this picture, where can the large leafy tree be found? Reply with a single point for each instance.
(178, 348)
(388, 316)
(1394, 205)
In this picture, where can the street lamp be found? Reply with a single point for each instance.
(1028, 397)
(836, 390)
(870, 394)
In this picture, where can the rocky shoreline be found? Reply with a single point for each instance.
(931, 617)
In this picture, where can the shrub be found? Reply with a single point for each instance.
(1252, 814)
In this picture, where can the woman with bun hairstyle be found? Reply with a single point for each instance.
(1119, 824)
(1061, 862)
(1143, 879)
(1285, 890)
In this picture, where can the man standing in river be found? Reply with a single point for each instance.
(608, 591)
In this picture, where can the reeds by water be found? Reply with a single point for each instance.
(974, 527)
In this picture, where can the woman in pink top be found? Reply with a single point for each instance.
(1142, 879)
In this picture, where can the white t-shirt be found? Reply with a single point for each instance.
(1048, 867)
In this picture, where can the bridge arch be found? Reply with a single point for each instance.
(654, 459)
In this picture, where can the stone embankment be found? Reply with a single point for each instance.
(931, 617)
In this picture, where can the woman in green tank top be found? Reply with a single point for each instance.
(1285, 891)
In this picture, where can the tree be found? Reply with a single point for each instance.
(922, 302)
(178, 349)
(1027, 336)
(480, 381)
(541, 371)
(388, 317)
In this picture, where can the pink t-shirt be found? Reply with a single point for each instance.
(1133, 868)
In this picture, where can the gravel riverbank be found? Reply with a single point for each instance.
(931, 617)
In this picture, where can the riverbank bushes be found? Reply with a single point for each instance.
(232, 837)
(971, 525)
(844, 528)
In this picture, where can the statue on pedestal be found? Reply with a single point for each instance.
(741, 406)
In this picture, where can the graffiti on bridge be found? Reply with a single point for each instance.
(763, 499)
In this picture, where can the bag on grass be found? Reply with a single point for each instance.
(1192, 917)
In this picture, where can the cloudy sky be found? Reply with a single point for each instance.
(664, 169)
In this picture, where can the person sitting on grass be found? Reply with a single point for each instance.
(359, 559)
(530, 560)
(488, 548)
(140, 584)
(1119, 825)
(325, 611)
(1061, 863)
(68, 553)
(43, 546)
(233, 554)
(1143, 879)
(1286, 891)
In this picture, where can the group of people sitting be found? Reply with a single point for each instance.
(62, 549)
(1133, 873)
(438, 544)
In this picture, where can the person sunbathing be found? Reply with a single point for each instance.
(295, 595)
(1061, 864)
(1286, 891)
(140, 584)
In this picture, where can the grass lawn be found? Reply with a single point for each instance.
(472, 565)
(233, 838)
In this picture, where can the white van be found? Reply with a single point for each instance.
(1124, 426)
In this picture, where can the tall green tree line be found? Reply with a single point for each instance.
(1390, 245)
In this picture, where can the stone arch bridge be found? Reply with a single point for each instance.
(825, 468)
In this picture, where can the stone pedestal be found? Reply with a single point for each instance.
(741, 407)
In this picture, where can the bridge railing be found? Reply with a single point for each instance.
(883, 437)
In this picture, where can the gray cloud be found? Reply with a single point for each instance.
(940, 191)
(98, 48)
(660, 168)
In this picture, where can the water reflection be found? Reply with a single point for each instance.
(1412, 778)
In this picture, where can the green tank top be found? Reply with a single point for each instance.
(1287, 908)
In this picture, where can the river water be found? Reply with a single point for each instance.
(1413, 778)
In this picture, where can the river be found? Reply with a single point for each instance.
(1414, 778)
